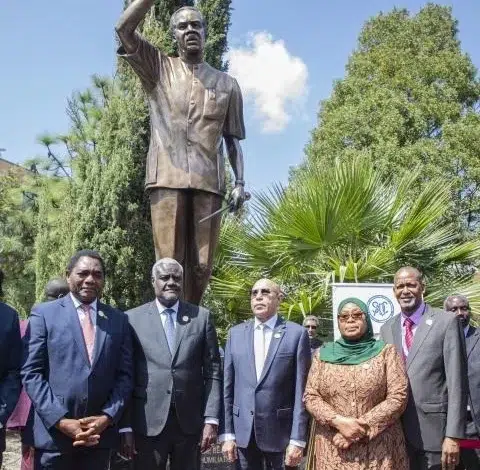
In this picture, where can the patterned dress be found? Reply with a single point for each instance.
(377, 391)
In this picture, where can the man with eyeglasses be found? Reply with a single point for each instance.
(459, 305)
(311, 324)
(266, 364)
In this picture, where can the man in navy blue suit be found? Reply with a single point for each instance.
(266, 365)
(77, 371)
(10, 359)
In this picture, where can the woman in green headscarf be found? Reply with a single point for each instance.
(357, 390)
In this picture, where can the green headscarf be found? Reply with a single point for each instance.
(344, 351)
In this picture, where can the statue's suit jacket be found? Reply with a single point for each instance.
(437, 372)
(192, 375)
(10, 360)
(59, 379)
(272, 406)
(473, 358)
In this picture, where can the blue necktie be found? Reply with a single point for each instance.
(170, 328)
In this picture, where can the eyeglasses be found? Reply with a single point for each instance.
(310, 327)
(353, 316)
(255, 292)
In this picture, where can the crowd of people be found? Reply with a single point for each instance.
(148, 386)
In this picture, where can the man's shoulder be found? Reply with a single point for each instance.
(110, 310)
(139, 310)
(294, 327)
(391, 321)
(235, 330)
(442, 317)
(220, 76)
(7, 311)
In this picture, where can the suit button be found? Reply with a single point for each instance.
(169, 392)
(251, 412)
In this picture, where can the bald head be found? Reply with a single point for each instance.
(460, 306)
(409, 287)
(56, 288)
(409, 271)
(265, 299)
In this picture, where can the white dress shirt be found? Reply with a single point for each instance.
(262, 337)
(81, 313)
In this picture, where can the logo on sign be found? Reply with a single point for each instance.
(380, 308)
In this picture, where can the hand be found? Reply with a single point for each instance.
(92, 427)
(127, 445)
(209, 437)
(69, 427)
(350, 428)
(293, 455)
(450, 453)
(229, 450)
(237, 197)
(340, 442)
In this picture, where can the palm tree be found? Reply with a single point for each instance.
(341, 224)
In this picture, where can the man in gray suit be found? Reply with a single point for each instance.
(176, 402)
(459, 305)
(432, 343)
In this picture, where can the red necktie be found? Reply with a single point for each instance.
(408, 324)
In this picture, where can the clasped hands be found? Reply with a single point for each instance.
(350, 430)
(84, 431)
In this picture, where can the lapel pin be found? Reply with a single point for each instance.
(277, 335)
(185, 318)
(101, 314)
(429, 322)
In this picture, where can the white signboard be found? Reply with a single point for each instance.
(379, 299)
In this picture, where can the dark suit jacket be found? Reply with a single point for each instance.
(57, 375)
(473, 362)
(192, 375)
(437, 373)
(10, 359)
(273, 405)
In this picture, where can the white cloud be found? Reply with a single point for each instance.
(271, 77)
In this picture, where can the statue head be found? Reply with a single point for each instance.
(188, 28)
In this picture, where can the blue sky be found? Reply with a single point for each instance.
(52, 48)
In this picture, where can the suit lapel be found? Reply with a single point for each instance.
(250, 349)
(420, 334)
(75, 326)
(277, 336)
(472, 338)
(155, 323)
(183, 320)
(100, 332)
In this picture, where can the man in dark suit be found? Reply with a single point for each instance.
(176, 401)
(266, 365)
(10, 359)
(77, 371)
(433, 345)
(459, 305)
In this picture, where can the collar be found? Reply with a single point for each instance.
(77, 303)
(415, 316)
(466, 330)
(161, 308)
(270, 322)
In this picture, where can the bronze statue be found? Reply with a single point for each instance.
(193, 108)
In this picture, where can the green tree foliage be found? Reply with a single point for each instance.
(343, 223)
(18, 215)
(410, 98)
